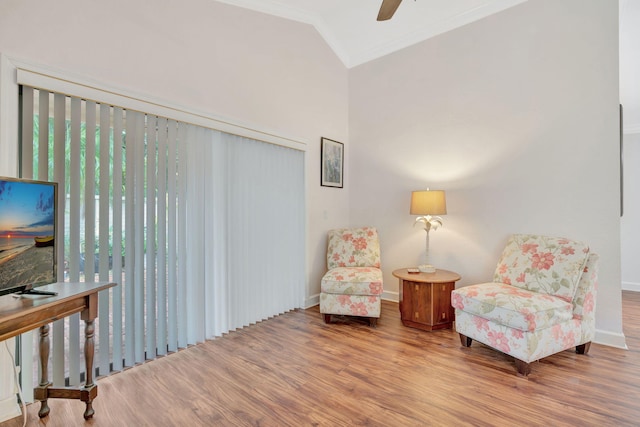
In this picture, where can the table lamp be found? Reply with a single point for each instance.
(428, 203)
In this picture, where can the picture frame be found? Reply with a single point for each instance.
(331, 163)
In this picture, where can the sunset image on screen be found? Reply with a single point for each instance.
(27, 233)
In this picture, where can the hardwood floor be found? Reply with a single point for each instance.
(293, 370)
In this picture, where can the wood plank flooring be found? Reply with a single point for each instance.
(293, 370)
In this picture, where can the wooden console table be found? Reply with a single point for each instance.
(28, 312)
(425, 298)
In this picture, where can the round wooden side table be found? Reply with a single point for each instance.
(425, 298)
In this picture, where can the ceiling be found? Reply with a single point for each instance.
(351, 29)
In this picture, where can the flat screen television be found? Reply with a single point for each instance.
(28, 234)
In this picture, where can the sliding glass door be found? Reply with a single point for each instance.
(202, 230)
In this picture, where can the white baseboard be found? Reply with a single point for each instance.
(611, 339)
(9, 408)
(631, 286)
(311, 301)
(391, 296)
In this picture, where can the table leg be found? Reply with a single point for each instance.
(44, 370)
(89, 348)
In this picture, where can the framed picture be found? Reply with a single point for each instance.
(331, 163)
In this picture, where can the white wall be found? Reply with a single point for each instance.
(630, 63)
(630, 99)
(516, 117)
(8, 403)
(270, 73)
(630, 223)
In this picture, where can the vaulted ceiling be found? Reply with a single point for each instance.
(351, 29)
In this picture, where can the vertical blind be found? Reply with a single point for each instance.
(202, 230)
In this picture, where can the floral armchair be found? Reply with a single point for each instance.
(353, 284)
(541, 301)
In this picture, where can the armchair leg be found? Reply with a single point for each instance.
(523, 368)
(373, 321)
(465, 341)
(583, 348)
(327, 318)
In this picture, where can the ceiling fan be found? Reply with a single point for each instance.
(387, 9)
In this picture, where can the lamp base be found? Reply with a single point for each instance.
(427, 268)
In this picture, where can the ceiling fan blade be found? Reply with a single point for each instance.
(387, 9)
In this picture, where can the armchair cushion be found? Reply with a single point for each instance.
(353, 281)
(513, 307)
(549, 265)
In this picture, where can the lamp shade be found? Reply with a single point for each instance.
(428, 202)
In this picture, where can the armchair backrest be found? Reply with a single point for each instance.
(353, 247)
(550, 265)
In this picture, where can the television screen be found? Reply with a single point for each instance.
(27, 234)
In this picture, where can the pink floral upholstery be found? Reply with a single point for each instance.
(353, 284)
(353, 247)
(584, 302)
(350, 305)
(512, 307)
(544, 264)
(541, 316)
(353, 281)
